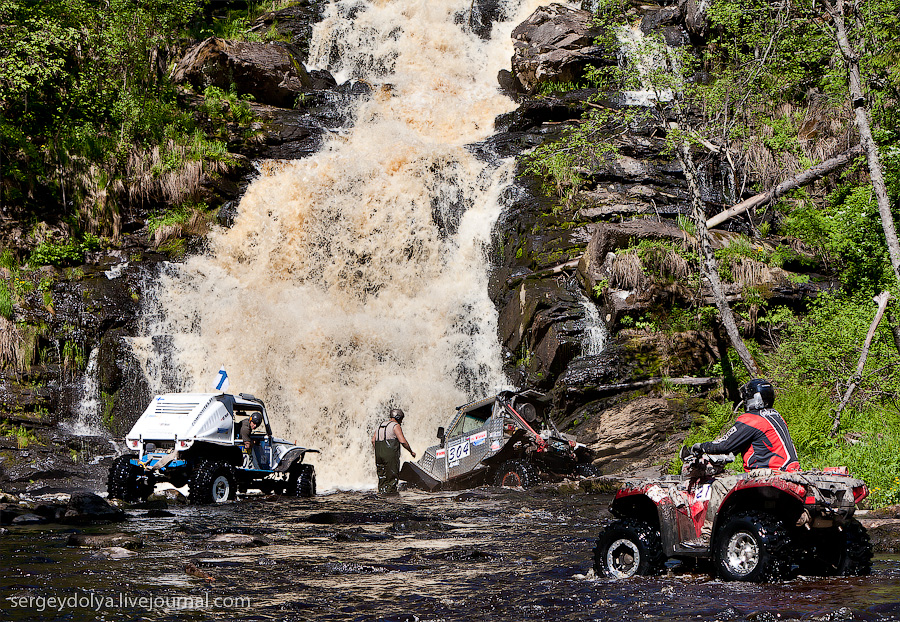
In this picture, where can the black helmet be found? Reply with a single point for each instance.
(758, 393)
(256, 418)
(397, 415)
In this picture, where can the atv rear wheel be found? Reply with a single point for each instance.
(212, 482)
(752, 546)
(627, 548)
(124, 481)
(303, 484)
(515, 474)
(837, 552)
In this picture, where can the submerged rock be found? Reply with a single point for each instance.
(86, 507)
(122, 540)
(113, 552)
(239, 539)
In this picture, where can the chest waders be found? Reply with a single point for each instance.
(387, 459)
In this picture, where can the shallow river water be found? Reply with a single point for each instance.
(486, 554)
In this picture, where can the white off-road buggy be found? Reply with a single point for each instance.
(194, 439)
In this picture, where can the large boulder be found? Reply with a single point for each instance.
(641, 432)
(271, 72)
(555, 44)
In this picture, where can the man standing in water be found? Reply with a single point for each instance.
(387, 440)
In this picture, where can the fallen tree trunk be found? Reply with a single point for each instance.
(797, 181)
(882, 301)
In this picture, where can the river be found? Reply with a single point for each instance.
(486, 554)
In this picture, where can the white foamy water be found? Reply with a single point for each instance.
(335, 295)
(87, 416)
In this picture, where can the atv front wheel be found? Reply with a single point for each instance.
(212, 482)
(303, 484)
(627, 548)
(124, 481)
(515, 474)
(753, 546)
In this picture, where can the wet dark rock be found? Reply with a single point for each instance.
(555, 44)
(97, 541)
(464, 555)
(358, 534)
(86, 508)
(239, 539)
(169, 495)
(884, 533)
(481, 16)
(271, 72)
(294, 23)
(411, 526)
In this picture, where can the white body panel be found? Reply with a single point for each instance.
(185, 416)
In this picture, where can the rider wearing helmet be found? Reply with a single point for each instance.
(247, 426)
(386, 441)
(760, 435)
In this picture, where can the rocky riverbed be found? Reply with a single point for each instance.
(482, 554)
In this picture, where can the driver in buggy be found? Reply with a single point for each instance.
(761, 436)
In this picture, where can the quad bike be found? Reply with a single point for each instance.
(194, 439)
(771, 525)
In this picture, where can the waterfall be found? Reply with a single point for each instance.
(87, 417)
(335, 295)
(596, 334)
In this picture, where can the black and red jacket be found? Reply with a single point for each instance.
(762, 437)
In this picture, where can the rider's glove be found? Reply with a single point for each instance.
(695, 449)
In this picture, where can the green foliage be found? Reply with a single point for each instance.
(52, 253)
(821, 351)
(220, 106)
(582, 147)
(6, 300)
(24, 436)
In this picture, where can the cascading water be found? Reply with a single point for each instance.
(87, 420)
(596, 335)
(336, 295)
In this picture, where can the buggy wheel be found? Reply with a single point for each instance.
(212, 482)
(515, 474)
(752, 547)
(125, 480)
(303, 484)
(627, 548)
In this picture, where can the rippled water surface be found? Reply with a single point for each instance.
(485, 554)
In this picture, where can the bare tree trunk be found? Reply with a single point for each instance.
(836, 11)
(797, 181)
(882, 301)
(710, 266)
